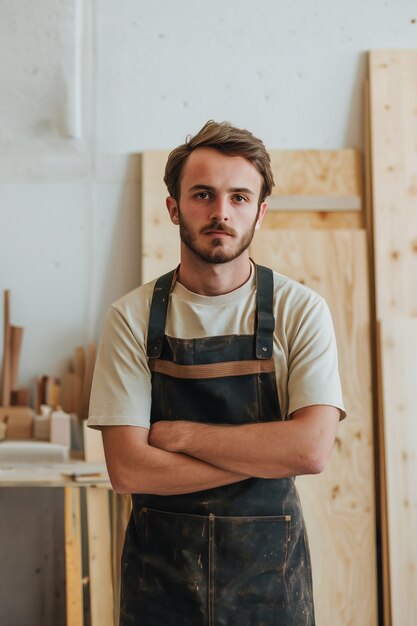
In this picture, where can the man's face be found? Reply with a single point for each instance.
(218, 209)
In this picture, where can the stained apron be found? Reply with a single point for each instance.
(235, 555)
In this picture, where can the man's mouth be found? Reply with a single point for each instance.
(218, 231)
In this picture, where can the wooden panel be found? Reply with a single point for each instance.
(316, 173)
(308, 173)
(393, 105)
(73, 564)
(399, 369)
(338, 504)
(99, 557)
(160, 238)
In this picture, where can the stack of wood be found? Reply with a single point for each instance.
(16, 416)
(57, 402)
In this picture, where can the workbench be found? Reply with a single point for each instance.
(106, 515)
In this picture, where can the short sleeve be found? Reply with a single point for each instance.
(121, 387)
(313, 376)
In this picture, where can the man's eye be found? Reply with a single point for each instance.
(240, 198)
(203, 195)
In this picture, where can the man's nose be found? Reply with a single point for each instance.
(220, 209)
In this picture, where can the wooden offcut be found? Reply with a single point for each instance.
(338, 504)
(6, 374)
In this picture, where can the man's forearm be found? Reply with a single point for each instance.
(268, 449)
(136, 467)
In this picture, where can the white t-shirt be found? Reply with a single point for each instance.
(305, 351)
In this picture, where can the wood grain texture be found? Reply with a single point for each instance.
(99, 557)
(393, 106)
(338, 504)
(398, 339)
(308, 173)
(73, 561)
(317, 173)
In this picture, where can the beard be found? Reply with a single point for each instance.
(218, 252)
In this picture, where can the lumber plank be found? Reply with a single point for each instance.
(380, 475)
(339, 504)
(398, 345)
(121, 508)
(73, 560)
(393, 105)
(99, 557)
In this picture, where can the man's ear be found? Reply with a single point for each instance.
(261, 214)
(172, 207)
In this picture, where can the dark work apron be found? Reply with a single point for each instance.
(235, 555)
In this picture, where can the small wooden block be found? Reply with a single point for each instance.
(19, 421)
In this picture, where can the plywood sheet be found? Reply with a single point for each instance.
(398, 346)
(332, 176)
(328, 173)
(393, 106)
(339, 504)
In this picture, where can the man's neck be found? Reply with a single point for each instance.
(213, 279)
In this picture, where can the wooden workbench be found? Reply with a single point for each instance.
(104, 532)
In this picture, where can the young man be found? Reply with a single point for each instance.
(214, 387)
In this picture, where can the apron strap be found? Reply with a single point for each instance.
(265, 322)
(158, 313)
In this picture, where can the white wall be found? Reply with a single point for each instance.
(85, 83)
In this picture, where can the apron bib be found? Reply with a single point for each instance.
(235, 555)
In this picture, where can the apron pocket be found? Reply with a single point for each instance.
(247, 569)
(173, 589)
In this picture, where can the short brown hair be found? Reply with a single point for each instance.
(226, 139)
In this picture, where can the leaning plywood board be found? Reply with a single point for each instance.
(338, 504)
(393, 106)
(398, 347)
(313, 188)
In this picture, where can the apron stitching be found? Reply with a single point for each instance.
(211, 572)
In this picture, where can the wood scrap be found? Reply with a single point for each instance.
(20, 397)
(19, 421)
(16, 337)
(88, 379)
(5, 394)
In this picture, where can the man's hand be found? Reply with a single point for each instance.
(170, 435)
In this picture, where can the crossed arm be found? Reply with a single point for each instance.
(182, 456)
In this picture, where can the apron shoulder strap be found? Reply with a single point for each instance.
(158, 313)
(265, 321)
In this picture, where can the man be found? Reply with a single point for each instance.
(214, 387)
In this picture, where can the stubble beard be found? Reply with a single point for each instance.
(218, 253)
